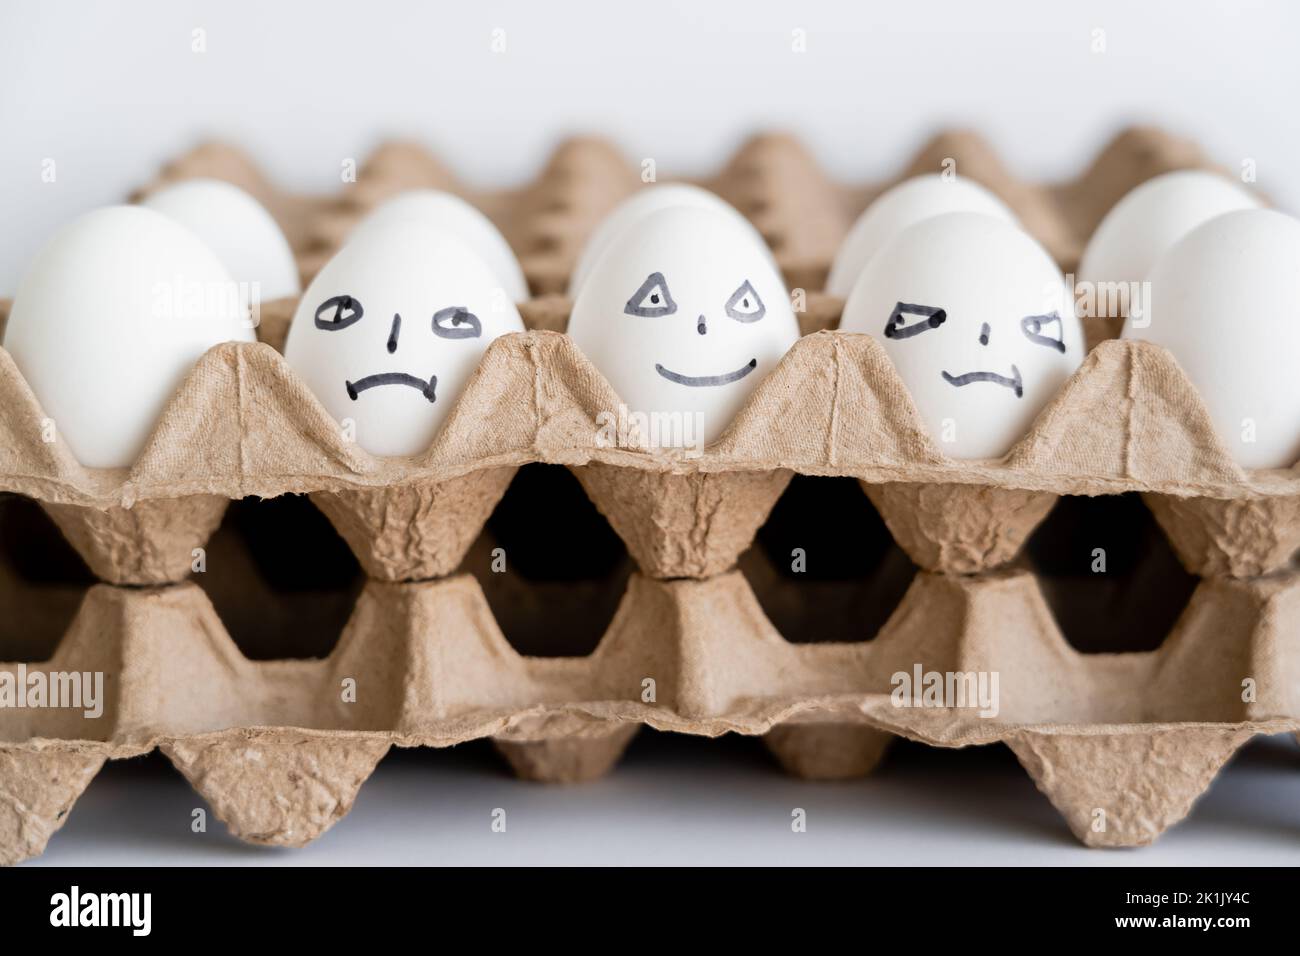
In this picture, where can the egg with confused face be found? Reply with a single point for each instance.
(450, 213)
(903, 205)
(239, 230)
(391, 329)
(642, 203)
(108, 321)
(979, 323)
(684, 315)
(1225, 300)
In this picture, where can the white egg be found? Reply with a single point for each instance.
(978, 322)
(389, 332)
(238, 230)
(1146, 222)
(642, 203)
(1225, 300)
(110, 318)
(910, 202)
(684, 315)
(452, 214)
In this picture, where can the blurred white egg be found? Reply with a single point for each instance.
(1225, 300)
(450, 213)
(684, 315)
(236, 227)
(978, 322)
(642, 203)
(910, 202)
(110, 318)
(1146, 222)
(389, 332)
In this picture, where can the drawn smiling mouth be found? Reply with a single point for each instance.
(426, 387)
(701, 381)
(1014, 382)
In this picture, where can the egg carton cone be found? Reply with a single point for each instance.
(1122, 744)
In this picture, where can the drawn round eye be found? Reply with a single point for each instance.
(456, 322)
(338, 312)
(745, 305)
(652, 299)
(1033, 327)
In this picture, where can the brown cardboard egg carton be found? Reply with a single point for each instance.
(1122, 744)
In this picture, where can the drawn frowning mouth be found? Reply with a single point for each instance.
(426, 387)
(703, 381)
(1014, 382)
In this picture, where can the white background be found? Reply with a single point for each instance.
(111, 90)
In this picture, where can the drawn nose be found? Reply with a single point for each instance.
(394, 332)
(701, 327)
(984, 334)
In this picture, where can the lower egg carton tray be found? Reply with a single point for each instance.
(1125, 741)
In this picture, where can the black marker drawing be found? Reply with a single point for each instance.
(701, 326)
(426, 388)
(652, 299)
(340, 304)
(984, 334)
(745, 305)
(700, 381)
(1014, 382)
(456, 322)
(394, 332)
(1032, 326)
(932, 314)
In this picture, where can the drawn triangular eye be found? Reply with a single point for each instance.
(1034, 327)
(897, 327)
(338, 312)
(652, 299)
(745, 305)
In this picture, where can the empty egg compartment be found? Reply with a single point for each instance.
(54, 681)
(1108, 573)
(824, 567)
(551, 568)
(825, 570)
(42, 581)
(282, 581)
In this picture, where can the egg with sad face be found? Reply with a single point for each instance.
(979, 323)
(390, 331)
(684, 314)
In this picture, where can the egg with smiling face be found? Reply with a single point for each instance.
(684, 314)
(979, 323)
(389, 332)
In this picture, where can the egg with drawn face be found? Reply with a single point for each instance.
(684, 314)
(979, 323)
(389, 332)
